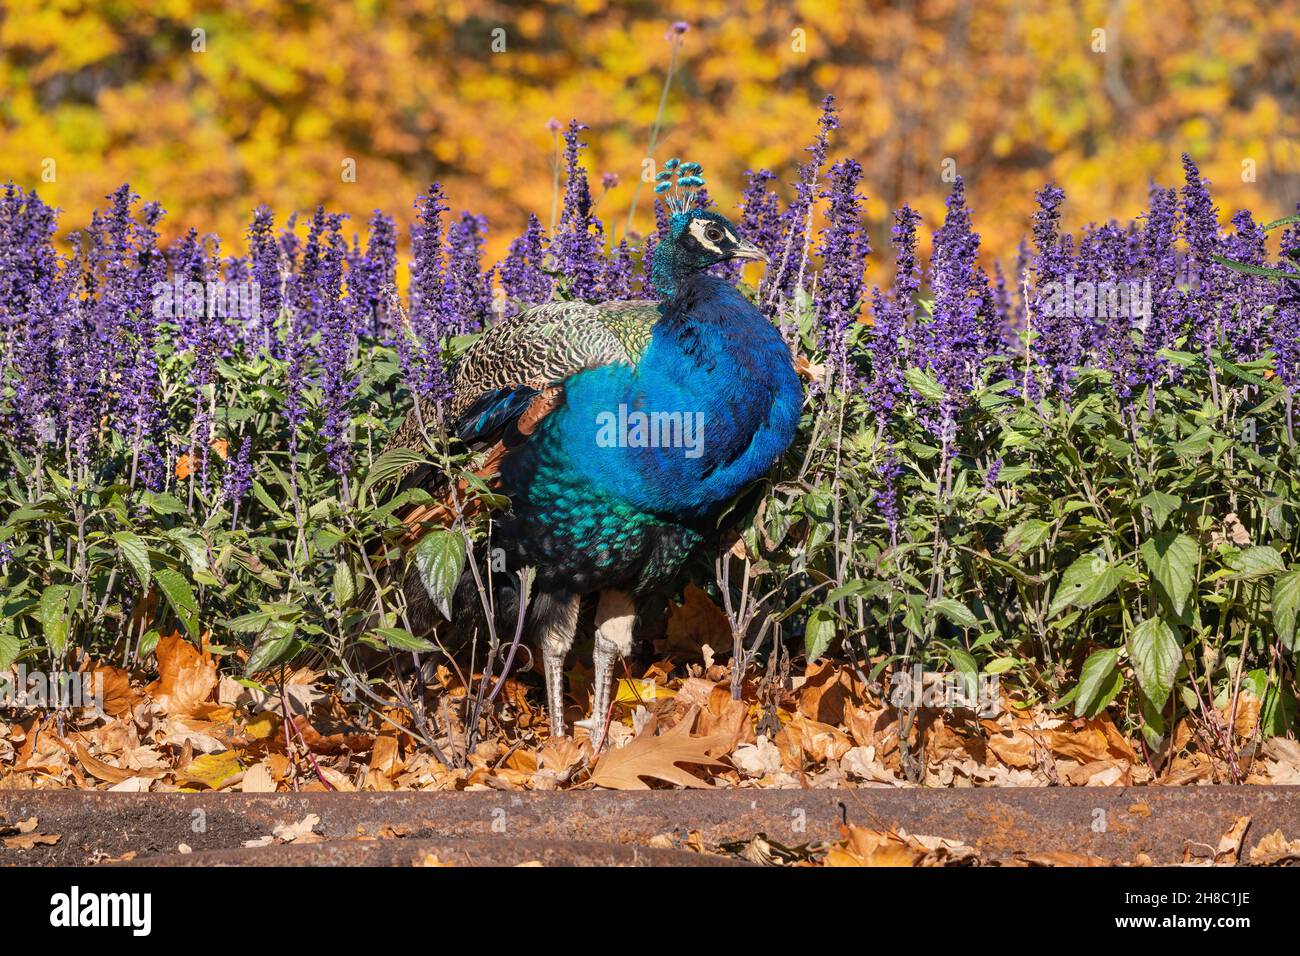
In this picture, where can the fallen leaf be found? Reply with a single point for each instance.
(186, 678)
(657, 757)
(27, 841)
(212, 770)
(101, 770)
(865, 847)
(258, 779)
(300, 832)
(1229, 847)
(1274, 849)
(695, 622)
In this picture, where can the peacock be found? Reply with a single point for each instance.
(618, 432)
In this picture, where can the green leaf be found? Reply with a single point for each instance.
(440, 559)
(1286, 605)
(1099, 682)
(1278, 223)
(9, 650)
(1085, 582)
(53, 611)
(136, 553)
(924, 384)
(345, 588)
(389, 464)
(1027, 535)
(1161, 505)
(968, 669)
(1172, 559)
(163, 504)
(955, 611)
(819, 632)
(275, 645)
(180, 597)
(1156, 654)
(1257, 562)
(1249, 269)
(403, 640)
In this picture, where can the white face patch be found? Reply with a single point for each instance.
(698, 226)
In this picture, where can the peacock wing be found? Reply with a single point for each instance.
(513, 374)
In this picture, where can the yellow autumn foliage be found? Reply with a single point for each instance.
(213, 107)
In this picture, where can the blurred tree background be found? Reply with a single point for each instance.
(280, 95)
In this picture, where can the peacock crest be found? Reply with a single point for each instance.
(679, 183)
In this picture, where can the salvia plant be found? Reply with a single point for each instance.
(1079, 474)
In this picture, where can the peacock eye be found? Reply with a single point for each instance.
(713, 234)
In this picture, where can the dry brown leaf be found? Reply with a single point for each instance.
(1283, 750)
(824, 693)
(1100, 773)
(695, 622)
(863, 847)
(186, 678)
(1062, 858)
(120, 697)
(300, 832)
(560, 754)
(101, 770)
(383, 756)
(1229, 847)
(29, 840)
(1014, 748)
(258, 779)
(1092, 740)
(1274, 849)
(658, 757)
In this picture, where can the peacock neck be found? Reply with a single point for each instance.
(662, 271)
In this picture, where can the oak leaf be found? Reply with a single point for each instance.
(658, 758)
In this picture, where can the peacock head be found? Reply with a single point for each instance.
(697, 238)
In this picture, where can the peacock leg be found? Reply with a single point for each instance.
(554, 664)
(615, 615)
(555, 620)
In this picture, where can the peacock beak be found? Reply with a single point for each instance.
(747, 250)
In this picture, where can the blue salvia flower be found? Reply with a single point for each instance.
(420, 351)
(239, 478)
(787, 267)
(1206, 301)
(843, 250)
(1108, 259)
(1057, 345)
(579, 236)
(468, 292)
(1158, 264)
(951, 343)
(29, 281)
(523, 274)
(891, 318)
(338, 338)
(1247, 297)
(616, 276)
(371, 275)
(1284, 329)
(148, 423)
(264, 253)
